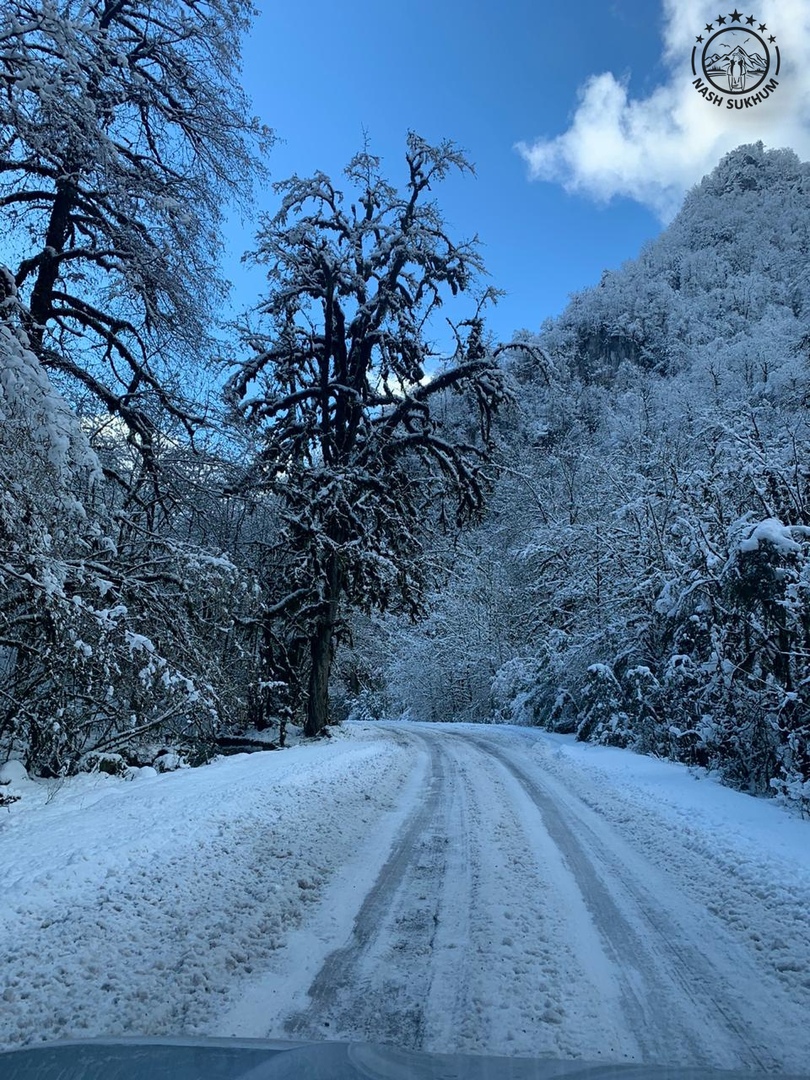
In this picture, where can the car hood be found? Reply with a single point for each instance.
(260, 1059)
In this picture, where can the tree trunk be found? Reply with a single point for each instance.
(321, 655)
(318, 700)
(48, 272)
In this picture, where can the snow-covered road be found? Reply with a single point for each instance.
(439, 887)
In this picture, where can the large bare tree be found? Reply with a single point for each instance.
(338, 391)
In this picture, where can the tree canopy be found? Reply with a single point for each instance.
(122, 130)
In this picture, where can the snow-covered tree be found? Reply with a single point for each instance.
(122, 129)
(94, 624)
(340, 392)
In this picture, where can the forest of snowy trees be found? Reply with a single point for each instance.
(642, 576)
(602, 528)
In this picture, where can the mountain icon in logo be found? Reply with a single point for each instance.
(718, 64)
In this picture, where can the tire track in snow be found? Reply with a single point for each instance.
(448, 996)
(673, 997)
(349, 995)
(460, 944)
(517, 957)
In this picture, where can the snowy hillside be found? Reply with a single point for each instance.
(643, 575)
(726, 283)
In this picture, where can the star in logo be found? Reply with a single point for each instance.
(735, 15)
(721, 20)
(699, 38)
(750, 20)
(709, 27)
(772, 39)
(762, 28)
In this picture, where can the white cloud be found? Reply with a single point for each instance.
(654, 149)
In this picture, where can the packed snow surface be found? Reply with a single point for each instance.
(443, 887)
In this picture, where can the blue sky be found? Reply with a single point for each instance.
(490, 75)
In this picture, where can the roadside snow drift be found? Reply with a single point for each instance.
(136, 906)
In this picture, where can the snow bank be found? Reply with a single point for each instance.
(138, 907)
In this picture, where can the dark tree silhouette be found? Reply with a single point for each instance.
(350, 439)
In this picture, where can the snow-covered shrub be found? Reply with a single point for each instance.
(682, 715)
(602, 715)
(367, 704)
(563, 717)
(794, 791)
(764, 653)
(13, 776)
(642, 694)
(516, 694)
(110, 764)
(360, 686)
(169, 761)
